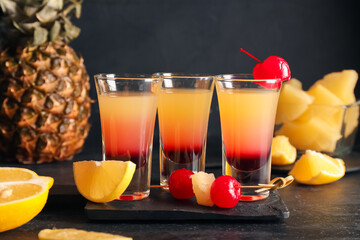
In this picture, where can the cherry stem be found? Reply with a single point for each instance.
(250, 55)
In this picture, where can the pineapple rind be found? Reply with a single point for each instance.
(44, 103)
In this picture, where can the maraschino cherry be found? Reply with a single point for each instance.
(180, 184)
(273, 67)
(225, 192)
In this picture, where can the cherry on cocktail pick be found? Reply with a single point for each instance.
(180, 184)
(225, 192)
(272, 68)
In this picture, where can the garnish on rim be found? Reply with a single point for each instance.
(273, 67)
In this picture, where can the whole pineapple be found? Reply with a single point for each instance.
(44, 102)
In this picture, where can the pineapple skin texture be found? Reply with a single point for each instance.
(44, 103)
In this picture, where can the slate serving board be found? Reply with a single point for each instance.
(352, 164)
(162, 206)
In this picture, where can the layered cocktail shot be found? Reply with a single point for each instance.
(127, 106)
(247, 113)
(183, 110)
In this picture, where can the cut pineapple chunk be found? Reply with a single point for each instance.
(322, 95)
(326, 106)
(332, 115)
(295, 83)
(342, 84)
(292, 103)
(313, 134)
(282, 152)
(201, 182)
(351, 119)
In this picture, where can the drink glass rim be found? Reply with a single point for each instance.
(243, 77)
(126, 76)
(184, 75)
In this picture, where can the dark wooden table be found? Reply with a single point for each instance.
(316, 212)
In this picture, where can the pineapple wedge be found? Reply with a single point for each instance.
(326, 106)
(293, 102)
(282, 152)
(295, 83)
(351, 119)
(313, 134)
(322, 115)
(342, 84)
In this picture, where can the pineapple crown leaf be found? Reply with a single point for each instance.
(39, 21)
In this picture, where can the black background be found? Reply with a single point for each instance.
(147, 36)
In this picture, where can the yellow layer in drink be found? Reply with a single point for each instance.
(127, 123)
(183, 118)
(247, 124)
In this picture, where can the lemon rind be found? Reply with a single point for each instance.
(114, 194)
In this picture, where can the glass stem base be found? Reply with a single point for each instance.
(248, 195)
(249, 178)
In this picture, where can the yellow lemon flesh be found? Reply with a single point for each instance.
(282, 152)
(103, 181)
(75, 234)
(23, 195)
(314, 168)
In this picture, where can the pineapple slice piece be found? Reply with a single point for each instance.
(295, 83)
(202, 182)
(326, 106)
(351, 119)
(342, 84)
(312, 133)
(331, 115)
(293, 102)
(324, 96)
(282, 152)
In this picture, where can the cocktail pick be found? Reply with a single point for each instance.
(276, 183)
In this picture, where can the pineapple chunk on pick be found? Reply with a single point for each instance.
(202, 182)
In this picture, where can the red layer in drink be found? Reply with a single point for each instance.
(184, 155)
(138, 158)
(248, 162)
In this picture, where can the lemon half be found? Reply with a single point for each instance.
(23, 195)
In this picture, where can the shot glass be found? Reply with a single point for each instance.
(247, 115)
(127, 104)
(183, 111)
